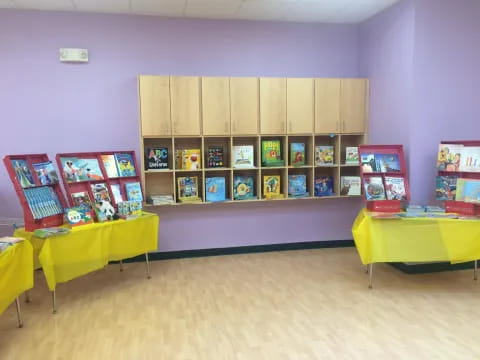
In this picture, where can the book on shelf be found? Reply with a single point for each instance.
(324, 155)
(81, 198)
(449, 157)
(77, 169)
(116, 192)
(271, 186)
(126, 209)
(297, 154)
(79, 215)
(188, 159)
(351, 155)
(380, 163)
(100, 192)
(242, 156)
(134, 191)
(160, 199)
(446, 187)
(272, 153)
(468, 190)
(23, 174)
(110, 165)
(46, 173)
(470, 159)
(395, 188)
(43, 202)
(323, 186)
(374, 189)
(368, 163)
(156, 158)
(244, 187)
(215, 189)
(297, 186)
(350, 185)
(125, 164)
(187, 188)
(215, 157)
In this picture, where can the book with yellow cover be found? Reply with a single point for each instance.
(271, 186)
(188, 159)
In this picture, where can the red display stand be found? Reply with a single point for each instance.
(384, 205)
(85, 185)
(31, 223)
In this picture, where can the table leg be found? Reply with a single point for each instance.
(370, 274)
(54, 305)
(475, 270)
(121, 265)
(148, 266)
(366, 269)
(27, 296)
(19, 314)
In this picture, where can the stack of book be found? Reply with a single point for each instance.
(160, 199)
(7, 241)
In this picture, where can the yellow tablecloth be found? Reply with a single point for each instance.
(416, 239)
(16, 272)
(90, 247)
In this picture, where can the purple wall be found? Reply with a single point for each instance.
(46, 106)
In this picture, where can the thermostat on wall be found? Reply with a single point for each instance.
(73, 55)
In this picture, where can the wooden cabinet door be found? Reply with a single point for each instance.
(185, 105)
(353, 106)
(154, 97)
(327, 106)
(216, 105)
(273, 105)
(300, 106)
(244, 99)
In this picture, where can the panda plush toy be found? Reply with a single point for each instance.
(106, 210)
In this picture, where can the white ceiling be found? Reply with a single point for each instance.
(331, 11)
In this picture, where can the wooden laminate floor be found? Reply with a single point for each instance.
(283, 305)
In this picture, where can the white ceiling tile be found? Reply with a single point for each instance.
(108, 6)
(7, 4)
(212, 8)
(158, 7)
(46, 4)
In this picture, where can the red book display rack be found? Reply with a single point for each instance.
(95, 176)
(37, 188)
(384, 166)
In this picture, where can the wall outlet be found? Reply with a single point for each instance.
(73, 55)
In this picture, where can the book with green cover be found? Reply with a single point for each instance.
(272, 153)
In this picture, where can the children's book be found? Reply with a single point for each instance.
(243, 187)
(351, 155)
(110, 165)
(75, 169)
(468, 190)
(80, 215)
(449, 157)
(187, 188)
(350, 185)
(242, 156)
(100, 192)
(387, 163)
(156, 158)
(24, 176)
(81, 198)
(395, 188)
(272, 153)
(374, 189)
(43, 201)
(470, 159)
(446, 187)
(46, 173)
(134, 191)
(117, 193)
(297, 185)
(297, 154)
(215, 189)
(324, 155)
(51, 232)
(188, 159)
(125, 164)
(271, 186)
(215, 157)
(324, 186)
(368, 163)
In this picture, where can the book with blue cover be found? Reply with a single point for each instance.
(468, 190)
(374, 189)
(46, 173)
(387, 162)
(324, 186)
(76, 169)
(23, 174)
(125, 164)
(134, 191)
(297, 186)
(243, 187)
(446, 187)
(215, 189)
(43, 202)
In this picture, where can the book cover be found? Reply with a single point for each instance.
(80, 215)
(271, 186)
(243, 156)
(215, 189)
(470, 190)
(117, 193)
(46, 173)
(324, 186)
(470, 159)
(297, 185)
(91, 169)
(188, 159)
(125, 164)
(81, 198)
(374, 189)
(156, 158)
(272, 153)
(387, 162)
(351, 155)
(187, 187)
(215, 157)
(134, 191)
(75, 169)
(395, 188)
(446, 187)
(43, 202)
(24, 176)
(243, 187)
(297, 154)
(368, 163)
(110, 165)
(100, 192)
(350, 185)
(449, 157)
(324, 155)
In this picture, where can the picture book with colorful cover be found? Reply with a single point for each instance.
(46, 173)
(23, 174)
(134, 191)
(100, 192)
(350, 185)
(110, 165)
(243, 187)
(215, 157)
(395, 188)
(374, 189)
(368, 163)
(43, 201)
(242, 156)
(324, 186)
(156, 158)
(470, 159)
(117, 193)
(351, 155)
(468, 190)
(297, 154)
(215, 189)
(297, 185)
(271, 186)
(188, 159)
(446, 187)
(387, 163)
(125, 164)
(80, 215)
(77, 169)
(324, 155)
(272, 153)
(449, 157)
(187, 187)
(81, 198)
